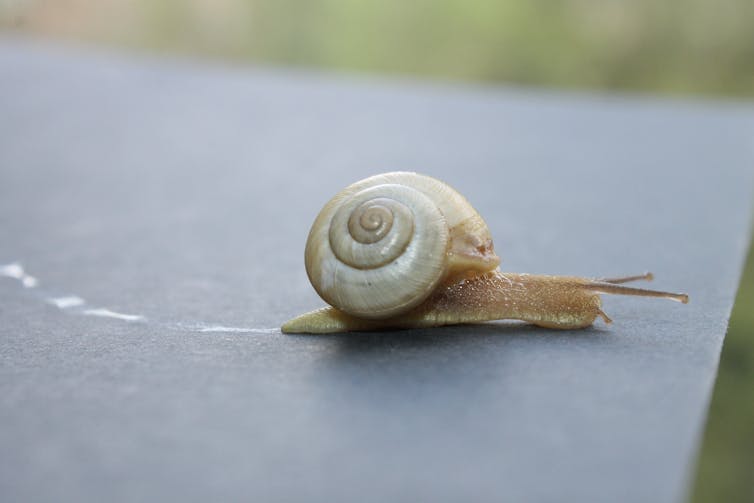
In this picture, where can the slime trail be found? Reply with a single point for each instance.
(76, 305)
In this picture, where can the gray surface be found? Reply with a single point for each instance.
(183, 193)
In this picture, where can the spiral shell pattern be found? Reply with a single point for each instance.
(373, 228)
(382, 245)
(378, 250)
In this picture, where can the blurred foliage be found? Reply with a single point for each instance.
(670, 46)
(726, 464)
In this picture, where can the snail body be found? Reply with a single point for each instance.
(404, 250)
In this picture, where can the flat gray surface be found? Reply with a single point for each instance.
(183, 193)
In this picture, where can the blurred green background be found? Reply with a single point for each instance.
(669, 47)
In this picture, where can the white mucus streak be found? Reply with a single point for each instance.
(29, 281)
(16, 271)
(106, 313)
(66, 302)
(220, 328)
(12, 271)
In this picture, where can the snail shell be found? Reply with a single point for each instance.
(381, 246)
(403, 250)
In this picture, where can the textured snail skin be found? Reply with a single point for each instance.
(465, 284)
(558, 302)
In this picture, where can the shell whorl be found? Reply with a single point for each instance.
(380, 246)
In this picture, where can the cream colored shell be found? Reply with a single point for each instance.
(381, 246)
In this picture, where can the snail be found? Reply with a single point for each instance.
(403, 250)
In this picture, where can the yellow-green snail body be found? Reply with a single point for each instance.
(404, 250)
